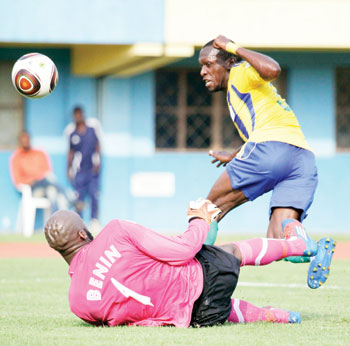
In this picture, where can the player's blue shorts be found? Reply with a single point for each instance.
(288, 170)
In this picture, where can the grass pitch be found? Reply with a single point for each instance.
(34, 309)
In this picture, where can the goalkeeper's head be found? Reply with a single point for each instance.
(66, 232)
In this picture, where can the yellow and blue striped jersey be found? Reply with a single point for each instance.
(258, 111)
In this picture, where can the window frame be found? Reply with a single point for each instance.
(339, 110)
(217, 110)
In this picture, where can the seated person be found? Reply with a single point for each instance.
(32, 167)
(131, 275)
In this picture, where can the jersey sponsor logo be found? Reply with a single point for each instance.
(101, 268)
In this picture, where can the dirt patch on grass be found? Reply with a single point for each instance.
(42, 250)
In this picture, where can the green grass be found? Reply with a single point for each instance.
(39, 237)
(34, 310)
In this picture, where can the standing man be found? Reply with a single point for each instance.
(84, 162)
(131, 275)
(275, 155)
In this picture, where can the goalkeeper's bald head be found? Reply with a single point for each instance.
(66, 232)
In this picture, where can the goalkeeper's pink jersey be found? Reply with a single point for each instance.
(132, 275)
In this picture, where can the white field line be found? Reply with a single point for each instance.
(266, 284)
(240, 284)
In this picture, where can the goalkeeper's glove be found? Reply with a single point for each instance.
(203, 209)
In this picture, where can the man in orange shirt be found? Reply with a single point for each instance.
(33, 167)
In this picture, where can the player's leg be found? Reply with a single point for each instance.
(243, 311)
(39, 188)
(277, 216)
(47, 190)
(93, 192)
(80, 187)
(293, 195)
(262, 251)
(238, 184)
(256, 169)
(57, 197)
(320, 265)
(226, 198)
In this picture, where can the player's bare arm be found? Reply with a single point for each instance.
(267, 67)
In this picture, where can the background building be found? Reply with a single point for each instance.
(134, 65)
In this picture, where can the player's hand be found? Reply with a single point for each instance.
(203, 209)
(96, 169)
(70, 174)
(220, 42)
(222, 157)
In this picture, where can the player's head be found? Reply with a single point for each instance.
(24, 140)
(216, 65)
(66, 232)
(78, 114)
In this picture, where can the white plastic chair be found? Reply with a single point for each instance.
(27, 210)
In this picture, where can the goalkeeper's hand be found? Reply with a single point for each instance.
(203, 209)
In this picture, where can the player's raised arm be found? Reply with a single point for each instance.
(267, 67)
(176, 250)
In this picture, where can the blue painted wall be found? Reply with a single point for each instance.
(46, 119)
(89, 22)
(127, 115)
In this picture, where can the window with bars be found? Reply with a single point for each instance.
(343, 107)
(188, 117)
(11, 109)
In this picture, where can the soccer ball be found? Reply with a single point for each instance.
(34, 75)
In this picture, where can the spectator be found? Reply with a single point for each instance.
(32, 167)
(84, 160)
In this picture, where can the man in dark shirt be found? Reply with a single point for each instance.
(84, 161)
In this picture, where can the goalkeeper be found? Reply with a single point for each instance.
(131, 275)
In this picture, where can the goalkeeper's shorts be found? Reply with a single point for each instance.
(220, 273)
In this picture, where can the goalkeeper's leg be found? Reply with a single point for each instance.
(243, 311)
